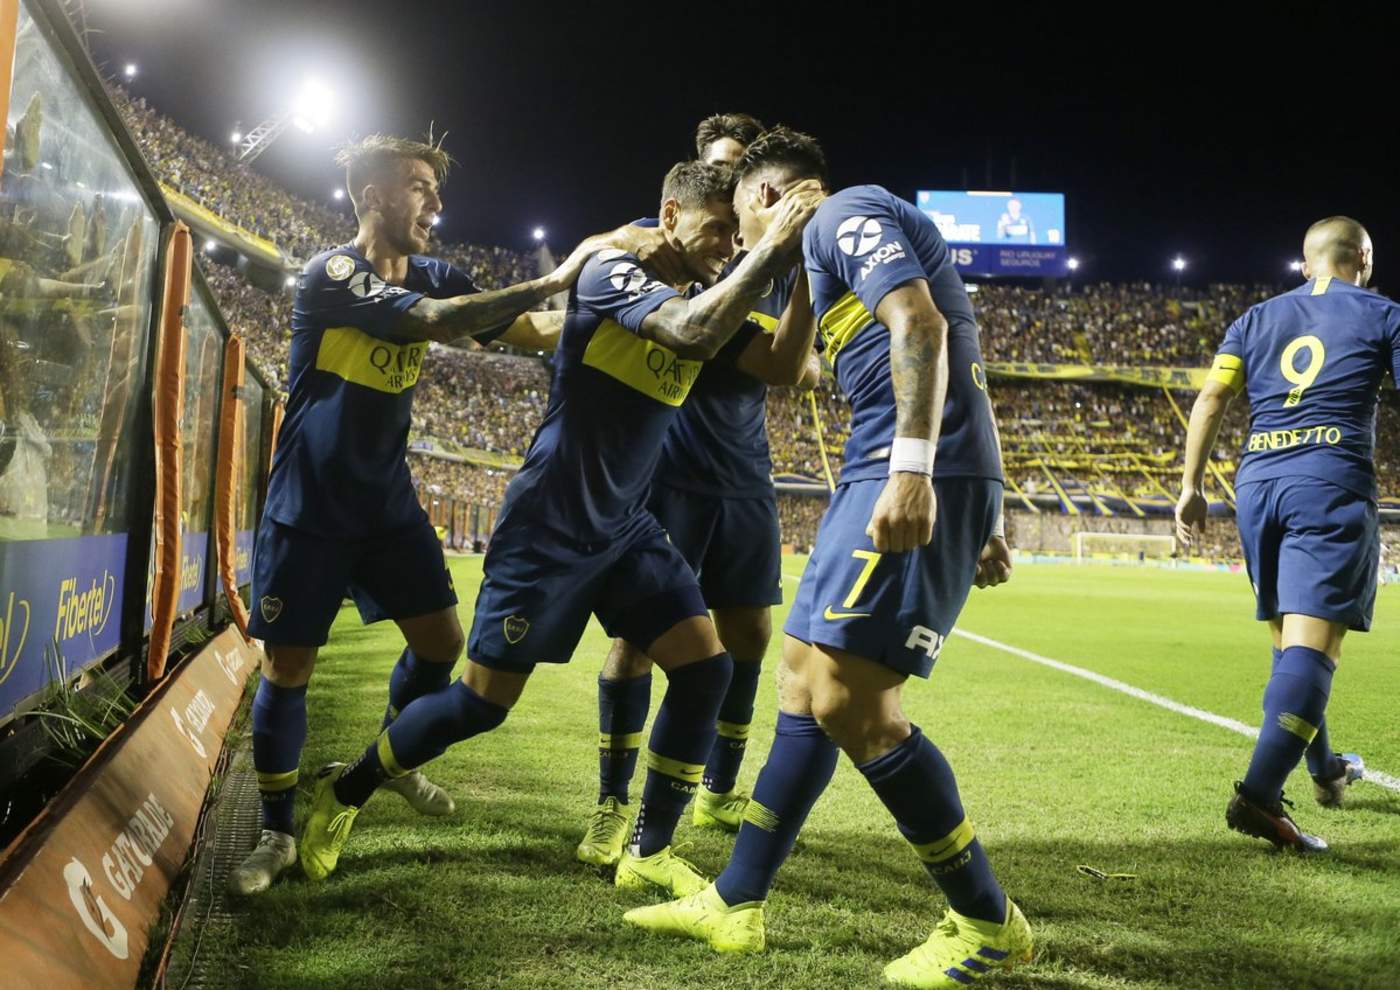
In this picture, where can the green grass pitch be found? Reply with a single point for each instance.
(1055, 772)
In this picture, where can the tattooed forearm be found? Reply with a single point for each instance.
(919, 368)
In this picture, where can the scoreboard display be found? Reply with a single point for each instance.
(1000, 233)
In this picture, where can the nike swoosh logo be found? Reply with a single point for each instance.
(831, 616)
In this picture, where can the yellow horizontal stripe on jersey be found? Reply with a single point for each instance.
(839, 324)
(620, 740)
(948, 846)
(1320, 286)
(382, 365)
(1228, 370)
(651, 369)
(768, 323)
(689, 773)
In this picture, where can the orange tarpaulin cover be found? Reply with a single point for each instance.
(169, 403)
(231, 454)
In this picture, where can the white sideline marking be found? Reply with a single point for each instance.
(1373, 776)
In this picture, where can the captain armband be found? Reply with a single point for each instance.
(1228, 370)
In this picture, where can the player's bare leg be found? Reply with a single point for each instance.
(624, 696)
(1307, 651)
(435, 644)
(279, 732)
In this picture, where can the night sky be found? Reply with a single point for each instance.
(1220, 140)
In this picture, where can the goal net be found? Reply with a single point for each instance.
(1122, 546)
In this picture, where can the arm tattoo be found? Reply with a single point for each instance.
(919, 370)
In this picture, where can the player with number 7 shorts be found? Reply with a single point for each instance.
(886, 580)
(1311, 362)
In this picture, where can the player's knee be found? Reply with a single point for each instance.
(703, 683)
(859, 726)
(745, 632)
(289, 666)
(625, 662)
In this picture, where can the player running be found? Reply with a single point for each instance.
(713, 494)
(885, 584)
(1311, 361)
(575, 538)
(341, 510)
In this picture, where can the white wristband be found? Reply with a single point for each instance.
(912, 454)
(999, 527)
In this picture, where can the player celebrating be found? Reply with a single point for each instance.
(885, 584)
(713, 493)
(1311, 361)
(1013, 225)
(575, 538)
(341, 510)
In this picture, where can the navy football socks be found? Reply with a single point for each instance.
(412, 678)
(622, 714)
(799, 768)
(917, 785)
(681, 739)
(1294, 704)
(279, 732)
(423, 731)
(727, 756)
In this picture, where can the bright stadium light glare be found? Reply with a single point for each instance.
(1295, 265)
(537, 233)
(314, 105)
(290, 281)
(1073, 264)
(210, 245)
(437, 220)
(235, 137)
(337, 193)
(1179, 263)
(130, 70)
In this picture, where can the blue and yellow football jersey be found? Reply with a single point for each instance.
(863, 243)
(613, 397)
(1311, 362)
(340, 469)
(718, 445)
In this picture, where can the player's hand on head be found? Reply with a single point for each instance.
(650, 247)
(904, 514)
(1191, 511)
(788, 217)
(994, 564)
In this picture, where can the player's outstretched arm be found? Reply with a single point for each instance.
(783, 357)
(1206, 416)
(698, 327)
(451, 319)
(535, 331)
(904, 514)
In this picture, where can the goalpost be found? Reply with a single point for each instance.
(1122, 546)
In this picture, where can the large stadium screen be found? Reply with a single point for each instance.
(1000, 233)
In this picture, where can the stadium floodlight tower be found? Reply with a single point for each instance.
(311, 109)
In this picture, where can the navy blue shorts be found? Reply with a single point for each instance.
(732, 544)
(1312, 548)
(299, 580)
(896, 609)
(538, 590)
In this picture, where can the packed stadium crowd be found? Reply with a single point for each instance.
(492, 401)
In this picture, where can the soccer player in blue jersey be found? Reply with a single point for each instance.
(713, 493)
(1310, 362)
(341, 510)
(574, 536)
(886, 581)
